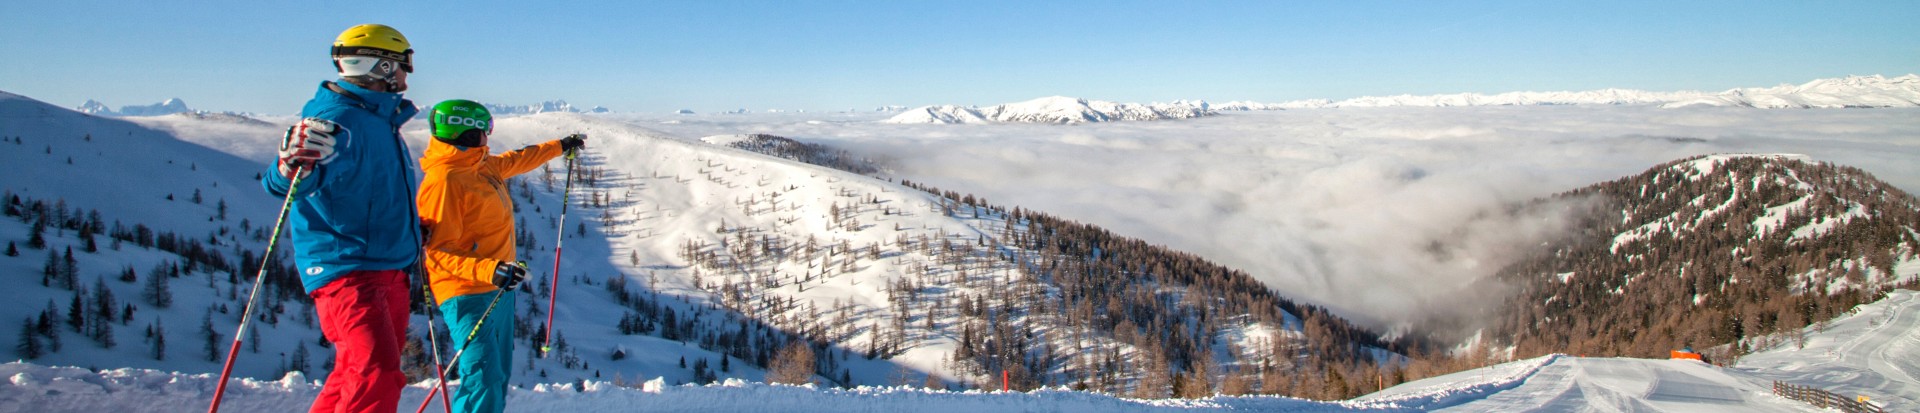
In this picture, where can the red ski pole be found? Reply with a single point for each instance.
(434, 340)
(226, 371)
(553, 292)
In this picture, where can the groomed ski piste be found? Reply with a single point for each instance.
(1874, 352)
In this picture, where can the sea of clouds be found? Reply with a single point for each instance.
(1386, 215)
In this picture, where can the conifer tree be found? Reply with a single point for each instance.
(69, 269)
(156, 290)
(51, 270)
(47, 328)
(29, 346)
(77, 312)
(301, 358)
(158, 350)
(37, 239)
(212, 337)
(100, 319)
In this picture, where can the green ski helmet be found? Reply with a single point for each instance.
(462, 122)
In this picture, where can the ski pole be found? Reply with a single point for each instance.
(463, 350)
(246, 315)
(433, 339)
(553, 292)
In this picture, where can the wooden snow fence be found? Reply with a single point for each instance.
(1823, 398)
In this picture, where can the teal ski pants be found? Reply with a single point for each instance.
(485, 365)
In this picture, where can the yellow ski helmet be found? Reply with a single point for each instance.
(354, 46)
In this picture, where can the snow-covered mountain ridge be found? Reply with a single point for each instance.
(1053, 109)
(168, 107)
(542, 107)
(1848, 92)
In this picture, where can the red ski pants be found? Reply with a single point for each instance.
(365, 315)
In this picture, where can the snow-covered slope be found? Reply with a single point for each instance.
(1565, 383)
(1054, 109)
(193, 179)
(1871, 353)
(740, 253)
(1874, 352)
(35, 388)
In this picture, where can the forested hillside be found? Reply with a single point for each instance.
(1708, 251)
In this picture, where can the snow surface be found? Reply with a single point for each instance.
(1874, 352)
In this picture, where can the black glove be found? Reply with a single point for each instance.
(508, 275)
(572, 142)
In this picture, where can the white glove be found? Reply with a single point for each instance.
(306, 145)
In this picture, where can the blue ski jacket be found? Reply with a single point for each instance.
(355, 212)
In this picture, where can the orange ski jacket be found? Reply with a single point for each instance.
(464, 202)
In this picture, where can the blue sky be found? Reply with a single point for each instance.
(833, 55)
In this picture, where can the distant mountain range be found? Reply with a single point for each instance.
(1055, 109)
(169, 107)
(542, 107)
(1849, 92)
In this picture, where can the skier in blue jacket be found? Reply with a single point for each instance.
(354, 224)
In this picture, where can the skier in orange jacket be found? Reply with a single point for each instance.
(469, 250)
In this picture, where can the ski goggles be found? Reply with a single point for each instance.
(404, 58)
